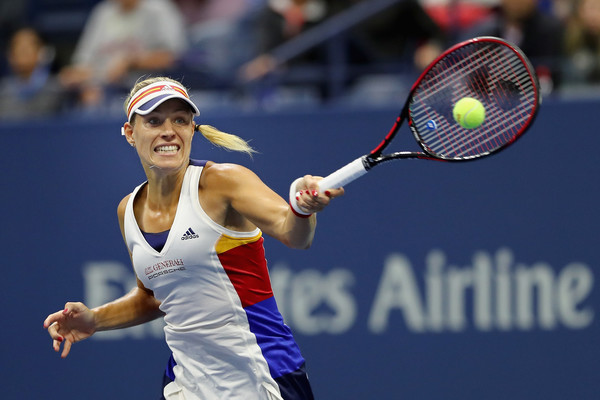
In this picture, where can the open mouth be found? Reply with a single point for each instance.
(167, 149)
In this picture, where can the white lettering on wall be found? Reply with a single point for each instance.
(398, 289)
(493, 293)
(575, 283)
(314, 302)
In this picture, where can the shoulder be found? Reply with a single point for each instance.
(123, 206)
(121, 213)
(225, 171)
(227, 178)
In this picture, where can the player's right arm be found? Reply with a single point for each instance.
(77, 322)
(136, 307)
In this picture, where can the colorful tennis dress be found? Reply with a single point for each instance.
(222, 323)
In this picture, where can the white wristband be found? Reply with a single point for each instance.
(293, 203)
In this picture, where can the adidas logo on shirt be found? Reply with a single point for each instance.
(189, 234)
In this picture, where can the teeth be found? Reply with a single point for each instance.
(167, 149)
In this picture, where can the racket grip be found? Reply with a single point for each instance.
(344, 175)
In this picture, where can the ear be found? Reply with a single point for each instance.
(127, 131)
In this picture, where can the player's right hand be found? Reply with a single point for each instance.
(73, 324)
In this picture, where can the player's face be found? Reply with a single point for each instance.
(163, 138)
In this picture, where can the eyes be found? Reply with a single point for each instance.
(155, 120)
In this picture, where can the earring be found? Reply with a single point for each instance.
(132, 144)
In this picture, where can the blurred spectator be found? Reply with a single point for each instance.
(30, 90)
(123, 39)
(561, 9)
(285, 19)
(279, 22)
(220, 39)
(403, 32)
(582, 43)
(12, 16)
(537, 33)
(388, 50)
(454, 16)
(206, 11)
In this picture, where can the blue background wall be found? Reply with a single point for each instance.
(426, 281)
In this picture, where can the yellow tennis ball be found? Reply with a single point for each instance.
(469, 112)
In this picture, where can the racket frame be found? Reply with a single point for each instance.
(363, 164)
(375, 157)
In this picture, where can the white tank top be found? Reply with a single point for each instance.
(222, 323)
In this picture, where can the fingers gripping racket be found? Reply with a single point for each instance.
(488, 69)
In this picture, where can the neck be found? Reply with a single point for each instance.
(163, 189)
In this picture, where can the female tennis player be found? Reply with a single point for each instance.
(194, 233)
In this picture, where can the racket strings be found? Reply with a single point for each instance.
(482, 76)
(444, 78)
(494, 74)
(498, 132)
(505, 97)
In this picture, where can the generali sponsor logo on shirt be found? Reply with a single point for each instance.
(164, 267)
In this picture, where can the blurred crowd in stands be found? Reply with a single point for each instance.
(80, 57)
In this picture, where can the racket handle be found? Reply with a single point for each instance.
(344, 175)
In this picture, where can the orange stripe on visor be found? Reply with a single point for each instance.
(145, 100)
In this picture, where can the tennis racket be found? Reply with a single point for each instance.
(488, 69)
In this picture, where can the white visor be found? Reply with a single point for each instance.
(145, 100)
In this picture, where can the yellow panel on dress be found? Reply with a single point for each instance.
(228, 242)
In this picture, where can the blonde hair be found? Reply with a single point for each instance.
(218, 138)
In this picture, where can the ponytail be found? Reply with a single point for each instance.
(225, 140)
